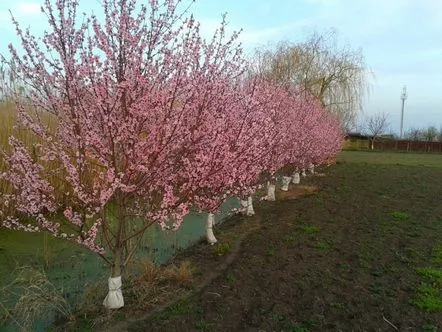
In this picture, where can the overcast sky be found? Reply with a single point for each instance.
(400, 39)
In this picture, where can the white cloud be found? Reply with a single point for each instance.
(324, 2)
(254, 37)
(251, 37)
(27, 8)
(21, 10)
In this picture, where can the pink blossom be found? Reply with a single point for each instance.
(152, 126)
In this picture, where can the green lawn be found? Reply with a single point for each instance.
(391, 158)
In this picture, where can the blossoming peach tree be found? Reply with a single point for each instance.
(147, 120)
(130, 97)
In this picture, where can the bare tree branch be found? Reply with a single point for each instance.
(376, 125)
(336, 75)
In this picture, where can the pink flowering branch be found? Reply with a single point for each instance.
(148, 121)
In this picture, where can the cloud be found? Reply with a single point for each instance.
(324, 2)
(254, 37)
(27, 8)
(251, 36)
(26, 12)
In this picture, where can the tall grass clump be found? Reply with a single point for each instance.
(36, 296)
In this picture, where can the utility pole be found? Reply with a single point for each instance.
(404, 96)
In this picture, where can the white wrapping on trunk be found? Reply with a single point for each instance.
(303, 172)
(311, 168)
(250, 210)
(114, 298)
(244, 206)
(271, 192)
(285, 182)
(296, 179)
(211, 239)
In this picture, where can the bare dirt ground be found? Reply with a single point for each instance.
(360, 251)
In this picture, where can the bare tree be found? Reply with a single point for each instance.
(430, 134)
(336, 75)
(376, 125)
(414, 134)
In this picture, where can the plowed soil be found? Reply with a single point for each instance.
(343, 253)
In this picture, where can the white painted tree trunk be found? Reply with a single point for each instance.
(311, 169)
(211, 239)
(114, 298)
(250, 210)
(296, 178)
(303, 173)
(244, 206)
(271, 192)
(285, 183)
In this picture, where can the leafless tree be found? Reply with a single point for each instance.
(376, 125)
(337, 75)
(430, 134)
(439, 136)
(414, 134)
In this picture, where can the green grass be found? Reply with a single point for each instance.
(221, 249)
(277, 317)
(309, 229)
(204, 326)
(338, 305)
(300, 329)
(437, 256)
(428, 298)
(270, 251)
(391, 158)
(305, 326)
(430, 273)
(322, 246)
(231, 280)
(430, 328)
(399, 216)
(289, 238)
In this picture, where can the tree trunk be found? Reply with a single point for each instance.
(244, 204)
(247, 206)
(250, 209)
(114, 298)
(271, 192)
(211, 239)
(285, 183)
(296, 178)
